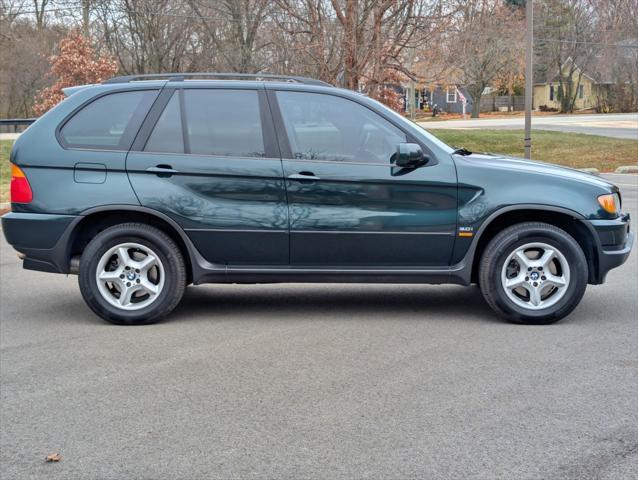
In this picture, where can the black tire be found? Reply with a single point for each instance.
(161, 245)
(497, 253)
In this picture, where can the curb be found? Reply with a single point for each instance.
(627, 169)
(591, 171)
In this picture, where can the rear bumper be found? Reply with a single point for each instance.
(42, 239)
(615, 241)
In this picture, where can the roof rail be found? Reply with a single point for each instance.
(179, 77)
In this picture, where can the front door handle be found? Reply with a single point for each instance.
(162, 169)
(307, 176)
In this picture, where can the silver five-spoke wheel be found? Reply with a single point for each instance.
(130, 276)
(535, 276)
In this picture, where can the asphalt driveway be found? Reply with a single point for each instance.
(318, 381)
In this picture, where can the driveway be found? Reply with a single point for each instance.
(623, 125)
(318, 381)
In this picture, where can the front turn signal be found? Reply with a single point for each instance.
(610, 203)
(20, 188)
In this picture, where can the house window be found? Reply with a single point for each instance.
(581, 91)
(551, 92)
(451, 94)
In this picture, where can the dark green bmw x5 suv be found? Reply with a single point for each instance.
(143, 185)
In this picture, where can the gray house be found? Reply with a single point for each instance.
(448, 99)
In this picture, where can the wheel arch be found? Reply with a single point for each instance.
(98, 219)
(562, 218)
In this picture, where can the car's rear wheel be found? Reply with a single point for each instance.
(132, 274)
(533, 273)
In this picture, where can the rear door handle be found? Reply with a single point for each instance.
(162, 169)
(307, 176)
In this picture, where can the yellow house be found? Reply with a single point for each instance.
(589, 91)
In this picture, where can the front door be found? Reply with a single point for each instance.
(348, 205)
(210, 162)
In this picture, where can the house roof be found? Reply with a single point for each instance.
(431, 72)
(599, 69)
(551, 75)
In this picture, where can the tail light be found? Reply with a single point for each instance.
(20, 188)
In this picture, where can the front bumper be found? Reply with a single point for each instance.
(614, 243)
(42, 240)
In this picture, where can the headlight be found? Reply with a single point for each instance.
(610, 203)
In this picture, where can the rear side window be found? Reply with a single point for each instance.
(223, 122)
(108, 123)
(167, 136)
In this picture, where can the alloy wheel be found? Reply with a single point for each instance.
(130, 276)
(535, 276)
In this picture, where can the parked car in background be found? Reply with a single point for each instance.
(145, 184)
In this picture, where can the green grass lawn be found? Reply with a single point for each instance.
(5, 169)
(569, 149)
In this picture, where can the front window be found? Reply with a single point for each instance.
(327, 127)
(418, 132)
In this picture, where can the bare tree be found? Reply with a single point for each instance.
(146, 36)
(311, 37)
(364, 45)
(566, 42)
(25, 44)
(232, 28)
(616, 61)
(86, 16)
(39, 7)
(9, 11)
(360, 44)
(484, 45)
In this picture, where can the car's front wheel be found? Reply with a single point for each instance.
(132, 274)
(533, 273)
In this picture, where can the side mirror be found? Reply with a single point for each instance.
(409, 155)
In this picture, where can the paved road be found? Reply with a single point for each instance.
(318, 381)
(610, 125)
(9, 136)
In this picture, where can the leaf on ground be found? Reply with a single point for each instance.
(54, 457)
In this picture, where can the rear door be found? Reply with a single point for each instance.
(207, 158)
(348, 205)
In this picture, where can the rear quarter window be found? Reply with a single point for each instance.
(108, 123)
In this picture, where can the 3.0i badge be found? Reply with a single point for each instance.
(466, 231)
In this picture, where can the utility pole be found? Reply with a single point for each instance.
(529, 84)
(412, 87)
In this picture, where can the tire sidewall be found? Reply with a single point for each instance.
(575, 260)
(110, 238)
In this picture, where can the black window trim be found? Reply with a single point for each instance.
(271, 146)
(284, 143)
(186, 141)
(151, 119)
(146, 129)
(129, 134)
